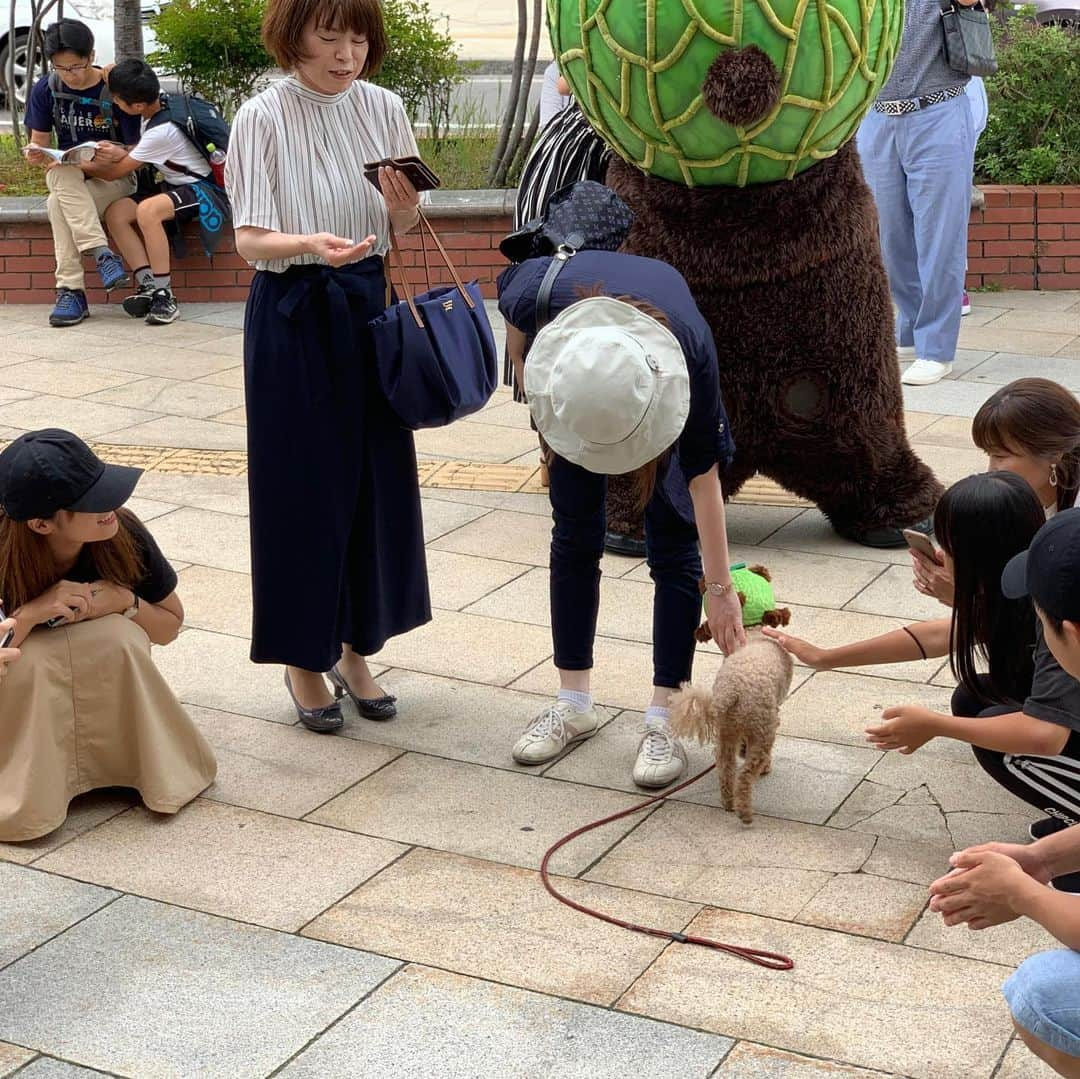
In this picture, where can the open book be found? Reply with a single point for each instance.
(83, 152)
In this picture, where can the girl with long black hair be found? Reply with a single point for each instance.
(1031, 748)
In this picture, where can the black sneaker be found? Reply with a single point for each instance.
(163, 308)
(137, 305)
(1069, 882)
(1047, 826)
(624, 545)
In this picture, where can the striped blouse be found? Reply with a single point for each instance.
(296, 158)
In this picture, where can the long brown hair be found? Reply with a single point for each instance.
(1036, 416)
(27, 567)
(643, 479)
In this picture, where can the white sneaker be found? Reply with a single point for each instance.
(925, 373)
(553, 731)
(660, 758)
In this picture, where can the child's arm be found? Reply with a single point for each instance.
(111, 170)
(898, 646)
(515, 347)
(908, 727)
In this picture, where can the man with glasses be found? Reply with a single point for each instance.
(74, 101)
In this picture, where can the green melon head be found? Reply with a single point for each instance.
(709, 92)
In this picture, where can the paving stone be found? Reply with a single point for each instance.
(866, 906)
(970, 829)
(85, 812)
(488, 650)
(953, 397)
(838, 707)
(864, 801)
(1021, 1063)
(917, 1013)
(457, 580)
(67, 379)
(219, 540)
(182, 431)
(282, 770)
(236, 415)
(811, 532)
(441, 517)
(914, 422)
(184, 993)
(217, 494)
(60, 346)
(447, 805)
(35, 906)
(749, 1061)
(503, 413)
(147, 509)
(497, 922)
(511, 537)
(893, 594)
(954, 787)
(49, 1068)
(948, 431)
(478, 442)
(808, 781)
(918, 863)
(705, 855)
(171, 396)
(89, 418)
(216, 600)
(224, 860)
(449, 718)
(914, 823)
(161, 361)
(1009, 944)
(1002, 338)
(750, 525)
(951, 463)
(214, 670)
(476, 1028)
(12, 1057)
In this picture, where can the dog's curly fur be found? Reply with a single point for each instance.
(741, 712)
(790, 279)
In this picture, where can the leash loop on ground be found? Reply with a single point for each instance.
(770, 960)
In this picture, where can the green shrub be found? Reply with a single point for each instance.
(421, 64)
(1032, 135)
(213, 47)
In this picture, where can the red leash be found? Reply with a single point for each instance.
(770, 960)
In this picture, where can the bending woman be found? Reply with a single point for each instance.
(83, 706)
(1031, 748)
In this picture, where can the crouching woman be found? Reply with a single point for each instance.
(83, 706)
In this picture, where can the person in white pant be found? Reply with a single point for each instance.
(980, 112)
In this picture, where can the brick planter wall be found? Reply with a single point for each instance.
(1026, 238)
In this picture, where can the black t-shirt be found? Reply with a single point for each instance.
(159, 578)
(1055, 694)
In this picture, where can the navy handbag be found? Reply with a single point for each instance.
(434, 353)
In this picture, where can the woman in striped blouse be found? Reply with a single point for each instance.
(336, 532)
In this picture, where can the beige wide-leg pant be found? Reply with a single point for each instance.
(76, 205)
(84, 707)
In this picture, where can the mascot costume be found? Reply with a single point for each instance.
(733, 122)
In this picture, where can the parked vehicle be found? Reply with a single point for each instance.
(97, 14)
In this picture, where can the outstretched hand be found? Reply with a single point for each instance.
(803, 651)
(905, 728)
(337, 251)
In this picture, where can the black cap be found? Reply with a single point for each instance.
(46, 471)
(1049, 570)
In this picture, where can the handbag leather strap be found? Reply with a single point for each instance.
(403, 281)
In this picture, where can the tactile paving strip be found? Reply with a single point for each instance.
(456, 475)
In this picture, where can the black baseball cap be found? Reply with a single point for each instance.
(46, 471)
(1049, 570)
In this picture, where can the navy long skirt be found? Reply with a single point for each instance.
(337, 539)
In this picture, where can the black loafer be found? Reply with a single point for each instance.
(886, 537)
(624, 545)
(376, 708)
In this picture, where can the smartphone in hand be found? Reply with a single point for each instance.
(418, 174)
(919, 541)
(5, 638)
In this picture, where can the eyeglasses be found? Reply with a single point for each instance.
(72, 69)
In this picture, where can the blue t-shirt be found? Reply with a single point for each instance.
(706, 439)
(82, 118)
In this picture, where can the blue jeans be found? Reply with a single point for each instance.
(1044, 998)
(919, 169)
(577, 543)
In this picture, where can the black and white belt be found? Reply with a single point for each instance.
(914, 104)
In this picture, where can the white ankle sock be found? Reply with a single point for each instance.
(581, 701)
(657, 716)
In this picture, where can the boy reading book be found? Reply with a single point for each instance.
(74, 102)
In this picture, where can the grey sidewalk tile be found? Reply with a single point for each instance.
(750, 1061)
(216, 600)
(153, 991)
(219, 540)
(232, 378)
(13, 1057)
(811, 532)
(1021, 1063)
(456, 580)
(216, 494)
(893, 594)
(1004, 367)
(225, 860)
(162, 360)
(172, 397)
(35, 906)
(67, 379)
(1010, 943)
(867, 1002)
(49, 1068)
(497, 921)
(448, 805)
(952, 397)
(441, 517)
(425, 1023)
(917, 863)
(866, 906)
(168, 431)
(88, 419)
(147, 509)
(85, 812)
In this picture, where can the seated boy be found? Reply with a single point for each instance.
(997, 882)
(136, 90)
(74, 101)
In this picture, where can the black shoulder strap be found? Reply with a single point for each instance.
(563, 254)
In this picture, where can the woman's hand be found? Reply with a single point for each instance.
(399, 193)
(67, 600)
(803, 651)
(984, 888)
(906, 728)
(109, 598)
(7, 655)
(932, 578)
(336, 251)
(724, 614)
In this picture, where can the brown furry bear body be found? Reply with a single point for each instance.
(789, 276)
(741, 712)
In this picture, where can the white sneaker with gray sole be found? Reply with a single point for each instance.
(553, 731)
(661, 758)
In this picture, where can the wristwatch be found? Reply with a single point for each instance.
(133, 610)
(715, 588)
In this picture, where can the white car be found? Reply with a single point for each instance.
(97, 14)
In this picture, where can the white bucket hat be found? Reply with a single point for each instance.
(607, 386)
